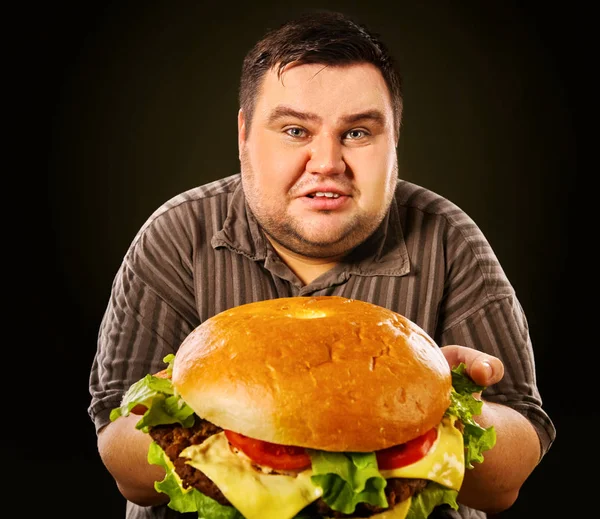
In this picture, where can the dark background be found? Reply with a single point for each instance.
(122, 105)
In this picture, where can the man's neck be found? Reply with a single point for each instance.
(307, 269)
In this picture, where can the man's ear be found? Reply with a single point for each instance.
(241, 132)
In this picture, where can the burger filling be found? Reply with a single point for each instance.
(173, 439)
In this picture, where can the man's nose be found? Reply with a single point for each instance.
(326, 156)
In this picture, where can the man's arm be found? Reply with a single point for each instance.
(493, 486)
(124, 451)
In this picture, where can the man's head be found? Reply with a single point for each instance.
(326, 38)
(318, 128)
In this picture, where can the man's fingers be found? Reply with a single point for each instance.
(484, 369)
(163, 374)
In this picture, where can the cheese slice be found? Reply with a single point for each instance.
(255, 495)
(444, 463)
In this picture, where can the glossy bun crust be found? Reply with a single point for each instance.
(321, 372)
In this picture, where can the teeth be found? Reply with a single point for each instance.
(328, 194)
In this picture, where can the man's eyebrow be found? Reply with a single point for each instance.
(282, 112)
(373, 115)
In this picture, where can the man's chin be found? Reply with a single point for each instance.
(318, 243)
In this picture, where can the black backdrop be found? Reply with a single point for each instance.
(127, 104)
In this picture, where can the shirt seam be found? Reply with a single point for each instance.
(489, 299)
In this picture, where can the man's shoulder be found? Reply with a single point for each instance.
(179, 215)
(196, 198)
(214, 188)
(415, 198)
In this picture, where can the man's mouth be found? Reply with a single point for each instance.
(323, 194)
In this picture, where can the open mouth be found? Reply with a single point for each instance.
(321, 194)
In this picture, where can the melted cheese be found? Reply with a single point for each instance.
(254, 494)
(444, 463)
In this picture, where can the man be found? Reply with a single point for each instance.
(319, 210)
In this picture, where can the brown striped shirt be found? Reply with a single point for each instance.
(203, 252)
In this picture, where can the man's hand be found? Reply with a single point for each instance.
(482, 368)
(493, 486)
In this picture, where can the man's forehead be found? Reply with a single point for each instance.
(356, 86)
(315, 71)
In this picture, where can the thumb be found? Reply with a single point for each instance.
(482, 368)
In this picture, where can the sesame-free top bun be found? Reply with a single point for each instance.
(326, 373)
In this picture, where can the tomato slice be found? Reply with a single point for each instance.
(139, 409)
(406, 453)
(283, 457)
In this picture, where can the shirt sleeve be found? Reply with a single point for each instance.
(150, 312)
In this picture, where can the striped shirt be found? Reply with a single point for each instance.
(203, 252)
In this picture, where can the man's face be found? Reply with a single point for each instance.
(319, 163)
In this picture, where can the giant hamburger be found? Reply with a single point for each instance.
(309, 407)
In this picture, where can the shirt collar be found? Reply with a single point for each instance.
(384, 253)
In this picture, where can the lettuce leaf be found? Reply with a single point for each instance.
(423, 503)
(464, 405)
(186, 500)
(157, 394)
(348, 479)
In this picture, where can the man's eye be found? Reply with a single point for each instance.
(295, 132)
(355, 134)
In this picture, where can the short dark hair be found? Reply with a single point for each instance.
(323, 37)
